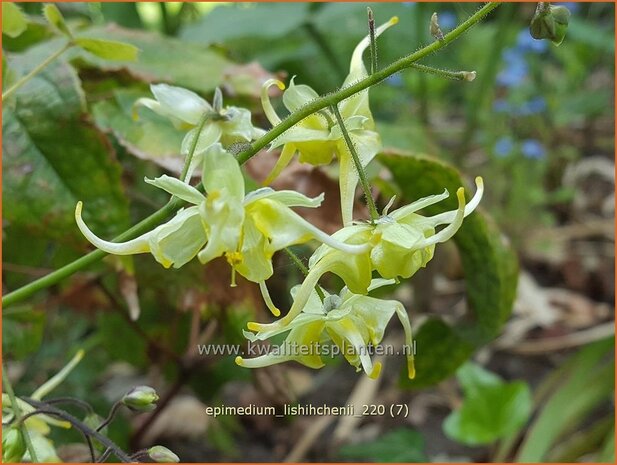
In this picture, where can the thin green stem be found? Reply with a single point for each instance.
(313, 107)
(17, 412)
(335, 97)
(93, 257)
(189, 156)
(358, 164)
(304, 270)
(11, 90)
(110, 416)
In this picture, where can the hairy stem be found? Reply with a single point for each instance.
(303, 269)
(189, 157)
(358, 164)
(313, 107)
(24, 79)
(17, 412)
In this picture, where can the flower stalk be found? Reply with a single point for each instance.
(356, 160)
(24, 79)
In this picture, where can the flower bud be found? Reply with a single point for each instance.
(162, 454)
(141, 398)
(550, 22)
(13, 445)
(434, 27)
(469, 75)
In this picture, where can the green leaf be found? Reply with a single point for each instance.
(473, 377)
(123, 13)
(489, 263)
(22, 330)
(14, 21)
(581, 385)
(163, 59)
(440, 352)
(108, 49)
(228, 22)
(402, 445)
(492, 413)
(55, 19)
(151, 138)
(607, 455)
(53, 157)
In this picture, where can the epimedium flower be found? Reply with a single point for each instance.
(227, 125)
(348, 320)
(246, 229)
(398, 245)
(318, 138)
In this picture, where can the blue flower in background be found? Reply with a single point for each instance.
(532, 107)
(503, 147)
(395, 80)
(516, 69)
(533, 149)
(501, 106)
(526, 43)
(447, 20)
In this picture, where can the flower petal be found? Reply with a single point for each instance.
(134, 246)
(284, 227)
(178, 241)
(404, 319)
(221, 172)
(449, 231)
(297, 96)
(367, 144)
(210, 134)
(178, 188)
(401, 213)
(448, 217)
(265, 100)
(346, 331)
(288, 198)
(180, 103)
(300, 346)
(238, 126)
(289, 150)
(268, 300)
(256, 258)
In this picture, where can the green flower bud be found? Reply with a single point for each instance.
(550, 22)
(141, 398)
(162, 454)
(13, 445)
